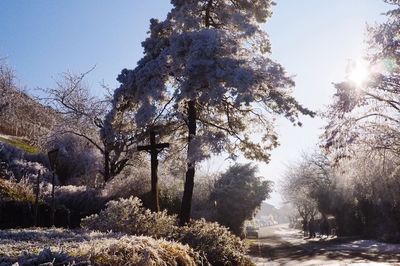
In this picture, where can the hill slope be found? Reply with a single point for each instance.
(20, 114)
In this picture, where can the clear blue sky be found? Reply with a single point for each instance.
(313, 39)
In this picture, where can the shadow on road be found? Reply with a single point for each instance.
(294, 247)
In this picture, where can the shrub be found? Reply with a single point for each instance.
(140, 251)
(16, 164)
(128, 216)
(219, 245)
(238, 194)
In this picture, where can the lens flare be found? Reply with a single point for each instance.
(358, 73)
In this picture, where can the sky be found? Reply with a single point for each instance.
(313, 39)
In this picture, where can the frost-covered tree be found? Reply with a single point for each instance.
(82, 114)
(238, 193)
(363, 135)
(366, 115)
(77, 162)
(308, 185)
(206, 74)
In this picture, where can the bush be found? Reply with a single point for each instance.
(219, 245)
(140, 251)
(128, 216)
(18, 165)
(238, 194)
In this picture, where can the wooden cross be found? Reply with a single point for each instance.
(154, 149)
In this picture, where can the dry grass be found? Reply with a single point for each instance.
(20, 144)
(39, 245)
(13, 191)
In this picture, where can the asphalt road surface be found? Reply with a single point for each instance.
(280, 245)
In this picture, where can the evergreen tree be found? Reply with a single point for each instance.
(206, 74)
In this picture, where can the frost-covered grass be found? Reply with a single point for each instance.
(34, 246)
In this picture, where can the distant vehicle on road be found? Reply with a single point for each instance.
(251, 231)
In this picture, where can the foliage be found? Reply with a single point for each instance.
(218, 57)
(82, 198)
(215, 241)
(238, 193)
(128, 216)
(203, 205)
(307, 183)
(81, 201)
(349, 191)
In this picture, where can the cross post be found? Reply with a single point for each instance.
(154, 149)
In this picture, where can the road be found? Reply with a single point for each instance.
(280, 245)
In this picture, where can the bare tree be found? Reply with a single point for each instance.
(82, 115)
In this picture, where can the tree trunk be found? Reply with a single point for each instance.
(107, 174)
(184, 215)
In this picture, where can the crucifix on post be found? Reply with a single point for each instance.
(154, 149)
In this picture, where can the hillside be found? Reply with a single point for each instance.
(19, 143)
(20, 114)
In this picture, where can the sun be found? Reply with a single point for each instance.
(358, 73)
